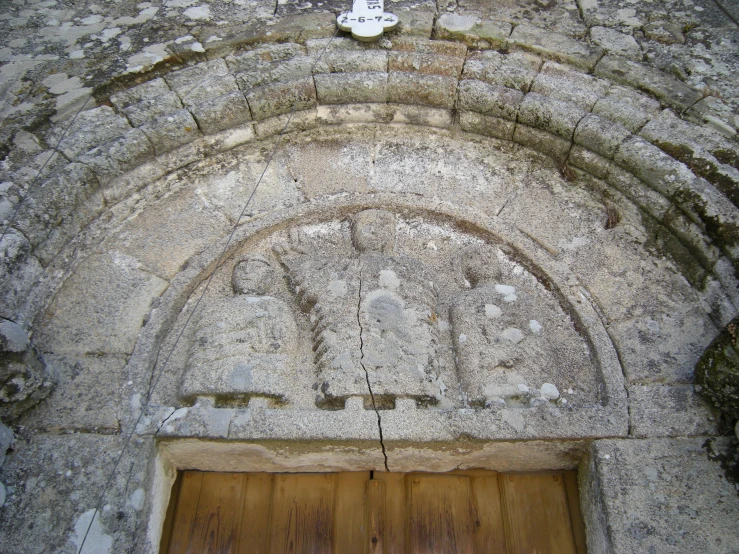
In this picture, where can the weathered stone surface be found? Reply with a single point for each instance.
(474, 122)
(170, 131)
(297, 121)
(417, 22)
(19, 271)
(665, 495)
(589, 161)
(100, 309)
(271, 73)
(245, 345)
(280, 98)
(560, 226)
(251, 60)
(490, 100)
(641, 194)
(553, 116)
(91, 395)
(564, 83)
(59, 206)
(222, 112)
(717, 371)
(111, 160)
(617, 43)
(600, 135)
(53, 484)
(6, 439)
(201, 82)
(715, 114)
(472, 30)
(13, 337)
(25, 380)
(420, 46)
(397, 353)
(542, 141)
(696, 147)
(146, 102)
(502, 331)
(89, 129)
(428, 90)
(659, 170)
(516, 70)
(428, 64)
(670, 411)
(627, 107)
(666, 88)
(346, 88)
(350, 61)
(326, 166)
(165, 235)
(555, 46)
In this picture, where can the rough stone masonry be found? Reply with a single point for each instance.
(504, 236)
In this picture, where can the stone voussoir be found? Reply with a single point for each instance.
(516, 70)
(280, 98)
(221, 113)
(564, 83)
(667, 89)
(351, 61)
(555, 46)
(489, 100)
(657, 169)
(545, 142)
(89, 129)
(428, 64)
(472, 30)
(202, 82)
(428, 90)
(474, 122)
(347, 88)
(118, 156)
(600, 135)
(547, 114)
(170, 131)
(695, 147)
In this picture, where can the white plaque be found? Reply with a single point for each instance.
(367, 21)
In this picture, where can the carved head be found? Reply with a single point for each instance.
(252, 276)
(480, 265)
(374, 231)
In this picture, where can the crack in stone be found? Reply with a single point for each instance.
(366, 373)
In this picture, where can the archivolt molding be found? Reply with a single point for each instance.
(241, 96)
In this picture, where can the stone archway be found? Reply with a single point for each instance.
(543, 164)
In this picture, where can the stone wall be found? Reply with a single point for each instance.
(589, 148)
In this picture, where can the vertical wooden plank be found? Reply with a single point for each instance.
(218, 517)
(174, 496)
(489, 526)
(573, 500)
(536, 514)
(254, 535)
(302, 514)
(375, 538)
(349, 511)
(395, 511)
(440, 514)
(184, 517)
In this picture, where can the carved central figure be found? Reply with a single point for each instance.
(373, 315)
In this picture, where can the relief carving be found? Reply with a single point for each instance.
(512, 345)
(244, 345)
(371, 314)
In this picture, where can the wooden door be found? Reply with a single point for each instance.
(462, 512)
